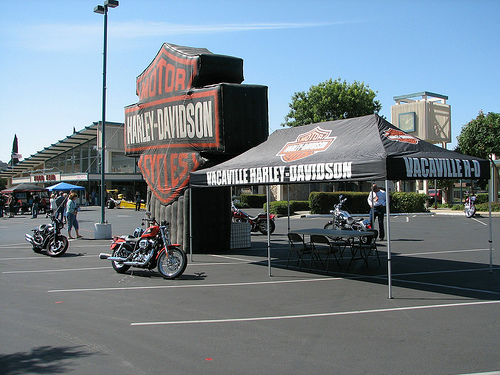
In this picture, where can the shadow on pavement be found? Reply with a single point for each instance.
(41, 360)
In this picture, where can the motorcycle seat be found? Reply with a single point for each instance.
(130, 238)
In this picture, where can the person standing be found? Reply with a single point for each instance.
(377, 202)
(71, 211)
(35, 206)
(137, 201)
(53, 205)
(60, 202)
(12, 205)
(2, 204)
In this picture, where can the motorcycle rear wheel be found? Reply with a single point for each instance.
(59, 247)
(263, 226)
(172, 265)
(120, 267)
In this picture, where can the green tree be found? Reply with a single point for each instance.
(481, 138)
(331, 100)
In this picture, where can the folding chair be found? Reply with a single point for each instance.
(322, 245)
(341, 244)
(297, 245)
(365, 246)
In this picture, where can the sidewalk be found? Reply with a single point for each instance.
(432, 211)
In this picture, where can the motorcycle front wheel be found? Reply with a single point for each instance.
(58, 247)
(330, 226)
(470, 211)
(263, 226)
(173, 264)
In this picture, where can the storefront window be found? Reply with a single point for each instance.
(121, 163)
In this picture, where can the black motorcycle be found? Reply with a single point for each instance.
(48, 237)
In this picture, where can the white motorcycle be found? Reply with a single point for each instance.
(470, 206)
(343, 220)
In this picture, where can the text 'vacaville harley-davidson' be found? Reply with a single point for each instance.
(148, 249)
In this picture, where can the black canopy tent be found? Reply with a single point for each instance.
(366, 148)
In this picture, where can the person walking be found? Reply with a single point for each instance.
(377, 202)
(71, 211)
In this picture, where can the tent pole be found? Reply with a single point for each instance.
(371, 209)
(389, 260)
(491, 197)
(190, 225)
(288, 198)
(268, 232)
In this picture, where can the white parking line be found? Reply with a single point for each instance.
(343, 277)
(479, 221)
(319, 315)
(58, 270)
(442, 252)
(194, 285)
(14, 244)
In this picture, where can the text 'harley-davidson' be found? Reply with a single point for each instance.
(148, 249)
(49, 237)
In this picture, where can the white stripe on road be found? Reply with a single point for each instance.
(191, 285)
(479, 221)
(440, 252)
(59, 270)
(344, 277)
(320, 315)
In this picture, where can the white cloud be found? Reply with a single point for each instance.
(64, 37)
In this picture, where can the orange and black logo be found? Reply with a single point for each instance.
(400, 136)
(307, 144)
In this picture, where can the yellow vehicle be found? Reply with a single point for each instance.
(118, 200)
(114, 199)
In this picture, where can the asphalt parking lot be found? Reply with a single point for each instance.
(226, 315)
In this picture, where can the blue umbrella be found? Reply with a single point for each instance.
(64, 186)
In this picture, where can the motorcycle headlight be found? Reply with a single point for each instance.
(138, 232)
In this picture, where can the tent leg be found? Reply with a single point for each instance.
(288, 198)
(389, 260)
(190, 226)
(268, 232)
(491, 197)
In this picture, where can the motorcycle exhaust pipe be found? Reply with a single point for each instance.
(28, 238)
(109, 257)
(120, 259)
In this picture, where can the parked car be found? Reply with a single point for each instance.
(432, 195)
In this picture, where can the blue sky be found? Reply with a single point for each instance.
(51, 54)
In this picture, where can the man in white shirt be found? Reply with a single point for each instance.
(376, 200)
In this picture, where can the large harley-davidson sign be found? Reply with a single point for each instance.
(184, 110)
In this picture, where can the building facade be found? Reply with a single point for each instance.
(77, 159)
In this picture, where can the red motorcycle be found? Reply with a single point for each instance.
(258, 223)
(148, 249)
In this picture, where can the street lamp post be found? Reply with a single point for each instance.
(103, 229)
